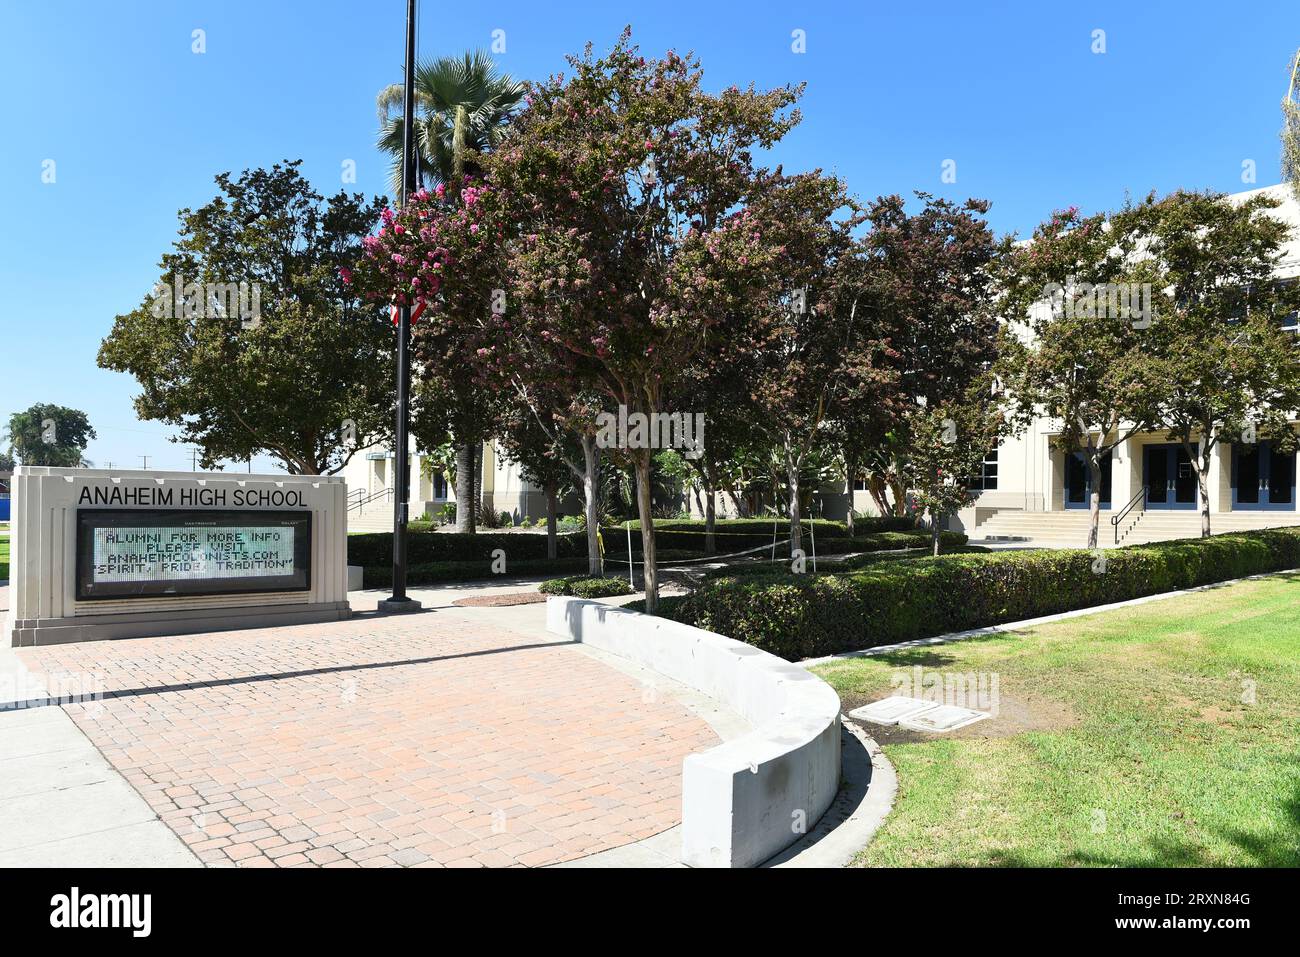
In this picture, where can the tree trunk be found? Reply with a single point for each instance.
(796, 523)
(551, 545)
(710, 516)
(934, 533)
(651, 573)
(590, 491)
(879, 494)
(1094, 497)
(900, 498)
(852, 471)
(738, 502)
(1203, 484)
(1199, 456)
(465, 488)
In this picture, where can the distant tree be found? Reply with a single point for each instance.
(948, 441)
(812, 345)
(541, 459)
(299, 368)
(51, 435)
(6, 461)
(1227, 370)
(1291, 128)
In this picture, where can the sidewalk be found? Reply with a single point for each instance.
(61, 804)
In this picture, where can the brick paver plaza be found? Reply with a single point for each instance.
(428, 740)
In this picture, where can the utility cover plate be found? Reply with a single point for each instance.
(941, 718)
(891, 710)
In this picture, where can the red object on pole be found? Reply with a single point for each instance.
(419, 311)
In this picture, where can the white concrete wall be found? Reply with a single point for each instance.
(747, 799)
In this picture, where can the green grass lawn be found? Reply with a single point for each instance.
(4, 557)
(1165, 734)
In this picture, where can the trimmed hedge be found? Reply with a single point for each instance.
(422, 547)
(431, 573)
(887, 541)
(805, 616)
(582, 586)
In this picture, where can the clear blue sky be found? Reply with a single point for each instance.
(137, 124)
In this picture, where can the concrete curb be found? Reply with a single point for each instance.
(953, 636)
(867, 792)
(746, 799)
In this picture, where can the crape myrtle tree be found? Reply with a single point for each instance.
(541, 461)
(452, 260)
(47, 434)
(443, 257)
(1228, 371)
(717, 388)
(293, 364)
(630, 183)
(948, 442)
(933, 282)
(464, 105)
(812, 346)
(1077, 287)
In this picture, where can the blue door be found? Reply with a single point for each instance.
(1168, 475)
(1263, 479)
(1078, 490)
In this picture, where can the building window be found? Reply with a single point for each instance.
(987, 479)
(859, 484)
(439, 486)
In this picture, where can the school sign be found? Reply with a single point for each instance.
(101, 553)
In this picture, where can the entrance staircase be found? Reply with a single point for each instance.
(1070, 528)
(370, 512)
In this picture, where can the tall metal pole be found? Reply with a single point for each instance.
(400, 602)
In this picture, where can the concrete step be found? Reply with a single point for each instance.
(1071, 527)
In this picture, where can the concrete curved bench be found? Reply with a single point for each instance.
(749, 798)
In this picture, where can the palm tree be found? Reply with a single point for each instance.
(1291, 128)
(462, 107)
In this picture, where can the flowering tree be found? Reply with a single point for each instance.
(627, 183)
(1077, 286)
(1227, 368)
(933, 281)
(813, 345)
(442, 256)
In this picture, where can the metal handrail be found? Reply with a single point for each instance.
(1116, 519)
(362, 502)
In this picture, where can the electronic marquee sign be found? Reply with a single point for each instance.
(150, 553)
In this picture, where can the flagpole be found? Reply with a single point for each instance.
(400, 601)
